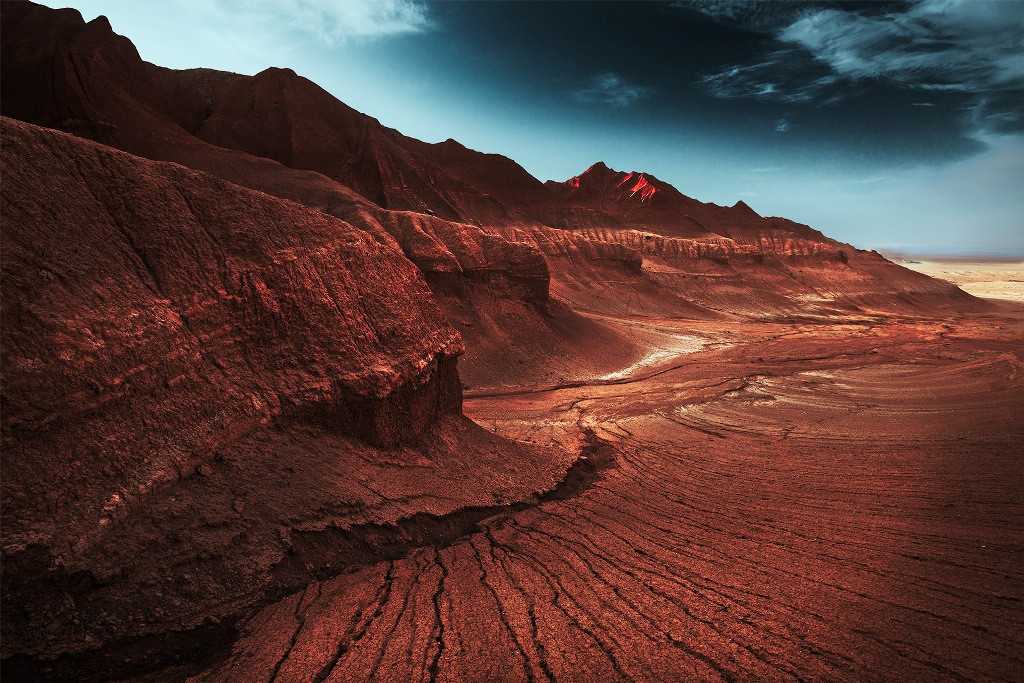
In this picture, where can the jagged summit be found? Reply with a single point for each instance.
(599, 180)
(743, 206)
(101, 22)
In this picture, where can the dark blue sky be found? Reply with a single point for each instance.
(895, 125)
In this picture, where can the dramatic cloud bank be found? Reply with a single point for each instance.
(972, 48)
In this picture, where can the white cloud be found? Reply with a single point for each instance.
(937, 44)
(782, 125)
(776, 78)
(610, 89)
(332, 21)
(971, 48)
(249, 35)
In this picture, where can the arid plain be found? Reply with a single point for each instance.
(1003, 280)
(829, 501)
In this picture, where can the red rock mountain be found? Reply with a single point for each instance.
(280, 133)
(86, 79)
(602, 197)
(180, 352)
(215, 364)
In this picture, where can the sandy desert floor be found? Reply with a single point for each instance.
(782, 502)
(991, 280)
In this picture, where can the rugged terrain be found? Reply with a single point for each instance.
(604, 240)
(824, 502)
(288, 395)
(196, 375)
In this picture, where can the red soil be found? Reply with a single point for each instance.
(816, 502)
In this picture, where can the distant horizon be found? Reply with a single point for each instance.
(890, 126)
(955, 257)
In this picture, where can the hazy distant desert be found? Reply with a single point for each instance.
(989, 279)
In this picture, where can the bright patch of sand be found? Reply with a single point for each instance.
(985, 279)
(676, 345)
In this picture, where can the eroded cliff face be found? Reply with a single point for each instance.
(192, 370)
(275, 132)
(224, 308)
(484, 232)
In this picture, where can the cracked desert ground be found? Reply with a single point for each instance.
(828, 502)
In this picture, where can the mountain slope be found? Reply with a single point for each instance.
(499, 240)
(601, 197)
(193, 373)
(61, 72)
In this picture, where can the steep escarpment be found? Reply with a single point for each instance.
(59, 71)
(485, 233)
(193, 370)
(768, 275)
(279, 115)
(726, 259)
(275, 132)
(202, 276)
(478, 274)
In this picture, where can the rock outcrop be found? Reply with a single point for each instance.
(192, 370)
